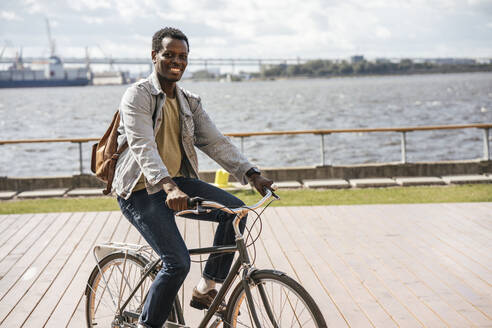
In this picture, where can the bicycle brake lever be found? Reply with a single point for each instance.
(201, 210)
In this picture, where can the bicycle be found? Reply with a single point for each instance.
(118, 285)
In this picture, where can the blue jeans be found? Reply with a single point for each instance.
(156, 222)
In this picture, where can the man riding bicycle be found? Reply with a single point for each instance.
(157, 174)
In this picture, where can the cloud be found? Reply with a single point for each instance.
(9, 15)
(82, 5)
(93, 20)
(259, 28)
(382, 32)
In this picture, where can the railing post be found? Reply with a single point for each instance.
(403, 147)
(322, 149)
(81, 167)
(242, 145)
(486, 148)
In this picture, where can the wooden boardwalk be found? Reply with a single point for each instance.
(367, 266)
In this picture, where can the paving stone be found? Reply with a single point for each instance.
(329, 183)
(85, 192)
(419, 181)
(4, 195)
(465, 179)
(372, 183)
(42, 193)
(288, 185)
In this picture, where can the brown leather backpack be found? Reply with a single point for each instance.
(105, 153)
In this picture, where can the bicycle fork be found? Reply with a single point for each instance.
(245, 281)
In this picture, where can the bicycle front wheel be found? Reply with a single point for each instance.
(279, 301)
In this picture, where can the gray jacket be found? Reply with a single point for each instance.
(139, 124)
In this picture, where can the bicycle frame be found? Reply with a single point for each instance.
(242, 261)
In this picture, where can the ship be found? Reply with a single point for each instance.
(52, 74)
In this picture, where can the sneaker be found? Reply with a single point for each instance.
(203, 301)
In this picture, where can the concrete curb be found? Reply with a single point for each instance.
(308, 184)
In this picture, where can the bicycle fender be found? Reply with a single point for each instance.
(255, 272)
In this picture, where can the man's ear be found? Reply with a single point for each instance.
(153, 54)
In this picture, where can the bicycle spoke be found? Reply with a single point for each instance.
(277, 305)
(114, 283)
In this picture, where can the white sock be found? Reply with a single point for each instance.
(205, 285)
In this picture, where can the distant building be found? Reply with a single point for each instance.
(382, 60)
(356, 59)
(453, 61)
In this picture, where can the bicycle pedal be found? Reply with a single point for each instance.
(198, 305)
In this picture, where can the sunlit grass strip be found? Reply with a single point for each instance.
(395, 195)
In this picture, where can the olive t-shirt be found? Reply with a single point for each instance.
(168, 141)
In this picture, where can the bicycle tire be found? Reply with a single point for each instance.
(288, 301)
(97, 293)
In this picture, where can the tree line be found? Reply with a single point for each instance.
(327, 68)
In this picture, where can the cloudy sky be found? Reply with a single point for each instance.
(253, 28)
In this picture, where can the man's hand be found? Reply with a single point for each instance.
(260, 183)
(176, 199)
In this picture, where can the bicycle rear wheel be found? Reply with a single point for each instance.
(109, 286)
(279, 301)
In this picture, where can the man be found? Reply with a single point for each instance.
(158, 172)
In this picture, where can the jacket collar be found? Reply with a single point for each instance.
(183, 101)
(155, 86)
(155, 89)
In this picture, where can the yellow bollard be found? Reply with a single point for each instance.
(222, 178)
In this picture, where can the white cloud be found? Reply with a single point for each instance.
(33, 6)
(262, 28)
(93, 20)
(382, 32)
(81, 5)
(9, 15)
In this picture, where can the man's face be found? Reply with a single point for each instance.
(171, 61)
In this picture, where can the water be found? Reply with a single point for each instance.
(392, 101)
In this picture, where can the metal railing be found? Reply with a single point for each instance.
(322, 133)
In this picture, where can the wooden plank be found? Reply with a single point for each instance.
(36, 294)
(454, 250)
(475, 212)
(376, 259)
(278, 254)
(77, 318)
(72, 279)
(382, 306)
(360, 261)
(21, 265)
(430, 262)
(30, 241)
(13, 224)
(359, 307)
(419, 264)
(25, 230)
(472, 301)
(356, 229)
(38, 265)
(467, 234)
(8, 222)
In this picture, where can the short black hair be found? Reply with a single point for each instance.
(171, 32)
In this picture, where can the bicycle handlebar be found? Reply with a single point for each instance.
(205, 206)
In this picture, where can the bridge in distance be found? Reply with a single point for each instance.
(230, 62)
(204, 62)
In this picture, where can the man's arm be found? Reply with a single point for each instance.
(136, 110)
(218, 147)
